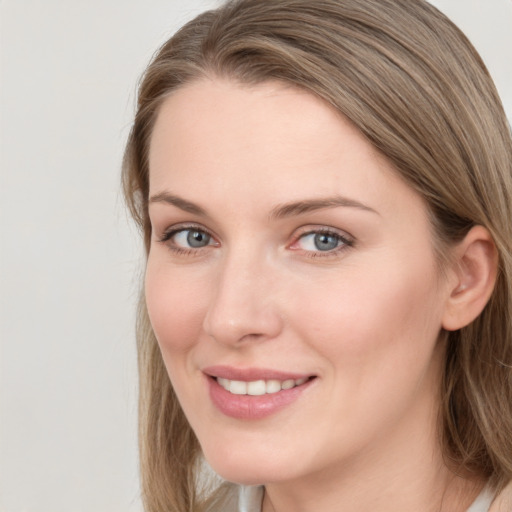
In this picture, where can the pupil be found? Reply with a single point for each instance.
(324, 242)
(197, 239)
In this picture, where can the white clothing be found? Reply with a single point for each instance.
(249, 499)
(483, 502)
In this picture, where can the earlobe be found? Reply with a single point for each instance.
(475, 268)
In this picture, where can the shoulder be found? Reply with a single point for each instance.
(503, 502)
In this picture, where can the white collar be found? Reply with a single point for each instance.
(483, 501)
(250, 499)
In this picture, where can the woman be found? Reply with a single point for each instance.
(325, 192)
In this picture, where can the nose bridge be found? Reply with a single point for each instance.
(243, 306)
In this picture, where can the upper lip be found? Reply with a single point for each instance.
(251, 374)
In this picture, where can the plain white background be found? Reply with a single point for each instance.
(69, 258)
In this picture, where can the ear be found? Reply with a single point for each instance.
(474, 266)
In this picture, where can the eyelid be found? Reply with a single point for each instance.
(176, 228)
(346, 239)
(166, 236)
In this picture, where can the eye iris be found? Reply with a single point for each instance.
(197, 239)
(325, 242)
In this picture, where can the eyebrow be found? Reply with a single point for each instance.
(279, 212)
(179, 202)
(306, 206)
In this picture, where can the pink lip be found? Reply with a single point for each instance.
(250, 374)
(246, 407)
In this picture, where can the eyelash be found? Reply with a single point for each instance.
(167, 236)
(345, 242)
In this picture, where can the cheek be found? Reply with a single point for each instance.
(176, 304)
(362, 317)
(377, 335)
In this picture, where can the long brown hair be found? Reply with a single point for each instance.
(416, 88)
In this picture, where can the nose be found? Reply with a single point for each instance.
(243, 306)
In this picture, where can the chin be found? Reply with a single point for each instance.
(248, 468)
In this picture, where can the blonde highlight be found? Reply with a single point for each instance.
(416, 88)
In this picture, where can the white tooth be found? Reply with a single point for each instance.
(223, 382)
(298, 382)
(288, 384)
(273, 386)
(238, 387)
(256, 387)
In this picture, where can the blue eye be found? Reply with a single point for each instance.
(321, 241)
(191, 238)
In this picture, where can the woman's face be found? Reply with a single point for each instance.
(291, 284)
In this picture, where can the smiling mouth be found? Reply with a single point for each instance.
(260, 387)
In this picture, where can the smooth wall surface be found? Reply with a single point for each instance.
(69, 258)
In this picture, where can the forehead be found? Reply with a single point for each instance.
(269, 142)
(223, 118)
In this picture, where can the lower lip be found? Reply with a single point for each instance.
(248, 407)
